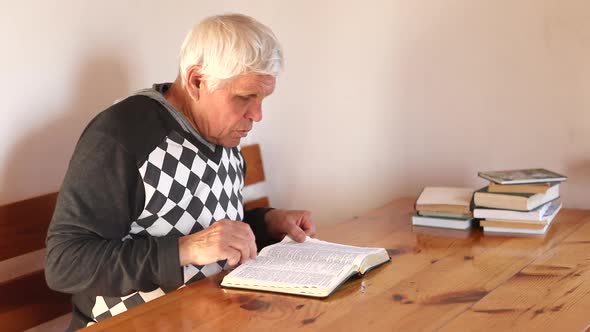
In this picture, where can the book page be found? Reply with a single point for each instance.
(311, 264)
(317, 251)
(272, 270)
(445, 196)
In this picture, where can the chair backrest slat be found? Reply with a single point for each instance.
(254, 176)
(254, 168)
(257, 203)
(23, 225)
(26, 301)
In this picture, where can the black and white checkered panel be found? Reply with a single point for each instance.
(106, 307)
(185, 192)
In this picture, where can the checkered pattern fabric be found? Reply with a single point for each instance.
(185, 192)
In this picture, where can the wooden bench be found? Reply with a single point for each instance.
(25, 300)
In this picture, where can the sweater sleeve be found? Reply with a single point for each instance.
(101, 195)
(255, 218)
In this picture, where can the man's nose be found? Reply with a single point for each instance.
(255, 112)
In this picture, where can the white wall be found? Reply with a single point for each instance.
(378, 99)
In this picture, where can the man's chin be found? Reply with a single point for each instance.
(230, 143)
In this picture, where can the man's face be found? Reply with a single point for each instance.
(227, 114)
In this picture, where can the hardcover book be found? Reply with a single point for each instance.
(452, 223)
(531, 175)
(514, 201)
(510, 225)
(528, 188)
(550, 214)
(445, 214)
(534, 215)
(442, 232)
(311, 268)
(445, 200)
(514, 231)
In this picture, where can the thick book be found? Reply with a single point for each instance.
(515, 231)
(445, 200)
(527, 188)
(534, 215)
(516, 176)
(527, 224)
(511, 224)
(443, 232)
(311, 268)
(514, 201)
(445, 214)
(452, 223)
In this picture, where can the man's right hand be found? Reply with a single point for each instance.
(225, 239)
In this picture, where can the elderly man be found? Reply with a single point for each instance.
(152, 197)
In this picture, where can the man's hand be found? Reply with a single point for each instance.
(225, 239)
(296, 224)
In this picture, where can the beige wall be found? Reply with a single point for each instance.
(378, 99)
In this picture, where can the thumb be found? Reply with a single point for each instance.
(296, 233)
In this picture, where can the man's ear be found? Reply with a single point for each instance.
(194, 82)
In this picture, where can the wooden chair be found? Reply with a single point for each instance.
(25, 300)
(253, 191)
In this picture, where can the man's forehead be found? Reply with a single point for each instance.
(255, 83)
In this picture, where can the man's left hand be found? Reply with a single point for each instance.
(297, 224)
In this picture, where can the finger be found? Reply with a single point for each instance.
(310, 228)
(296, 233)
(238, 237)
(310, 231)
(243, 247)
(253, 249)
(306, 224)
(232, 256)
(250, 250)
(245, 234)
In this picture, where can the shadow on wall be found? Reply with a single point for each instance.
(578, 173)
(39, 158)
(429, 83)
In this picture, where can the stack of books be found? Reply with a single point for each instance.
(518, 202)
(444, 207)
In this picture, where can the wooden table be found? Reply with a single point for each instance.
(434, 282)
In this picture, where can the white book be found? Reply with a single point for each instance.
(451, 223)
(515, 230)
(539, 214)
(549, 220)
(546, 219)
(311, 268)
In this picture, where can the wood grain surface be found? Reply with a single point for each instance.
(435, 282)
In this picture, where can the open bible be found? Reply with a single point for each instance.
(311, 268)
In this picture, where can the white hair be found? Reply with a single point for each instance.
(226, 46)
